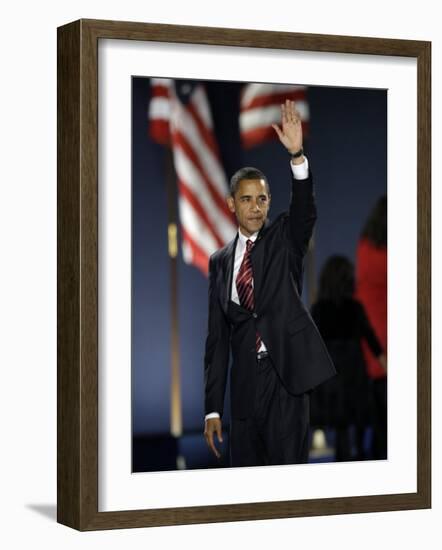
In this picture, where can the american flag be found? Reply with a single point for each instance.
(179, 115)
(261, 106)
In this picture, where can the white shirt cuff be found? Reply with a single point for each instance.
(300, 171)
(212, 415)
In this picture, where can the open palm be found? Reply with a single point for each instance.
(291, 133)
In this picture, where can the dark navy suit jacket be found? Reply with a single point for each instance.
(290, 335)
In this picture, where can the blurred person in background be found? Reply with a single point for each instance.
(371, 291)
(344, 400)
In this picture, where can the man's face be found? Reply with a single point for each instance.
(250, 204)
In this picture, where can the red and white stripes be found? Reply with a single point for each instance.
(206, 222)
(261, 107)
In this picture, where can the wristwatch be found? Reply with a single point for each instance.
(297, 154)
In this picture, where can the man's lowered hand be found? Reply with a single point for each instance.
(212, 426)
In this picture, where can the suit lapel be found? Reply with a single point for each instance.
(257, 257)
(229, 256)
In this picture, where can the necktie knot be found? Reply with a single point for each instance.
(249, 245)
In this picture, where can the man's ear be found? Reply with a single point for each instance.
(231, 203)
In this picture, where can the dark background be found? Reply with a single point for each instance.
(347, 152)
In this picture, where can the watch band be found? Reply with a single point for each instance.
(297, 154)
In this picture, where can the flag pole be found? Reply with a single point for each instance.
(176, 421)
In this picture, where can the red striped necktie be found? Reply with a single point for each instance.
(244, 284)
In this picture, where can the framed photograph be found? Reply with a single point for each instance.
(136, 229)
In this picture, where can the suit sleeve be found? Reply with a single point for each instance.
(302, 215)
(216, 358)
(299, 224)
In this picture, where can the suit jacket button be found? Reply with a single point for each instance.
(255, 315)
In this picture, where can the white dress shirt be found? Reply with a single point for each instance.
(300, 172)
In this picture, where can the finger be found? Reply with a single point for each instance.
(289, 109)
(283, 114)
(219, 433)
(215, 450)
(277, 130)
(295, 113)
(294, 110)
(211, 444)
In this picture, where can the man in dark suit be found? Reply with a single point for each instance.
(256, 312)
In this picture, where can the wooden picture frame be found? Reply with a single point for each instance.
(77, 309)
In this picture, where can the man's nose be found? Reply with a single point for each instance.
(255, 206)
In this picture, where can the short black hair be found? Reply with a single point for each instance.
(247, 173)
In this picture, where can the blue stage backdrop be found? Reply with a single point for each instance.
(347, 151)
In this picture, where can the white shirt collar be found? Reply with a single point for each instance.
(243, 239)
